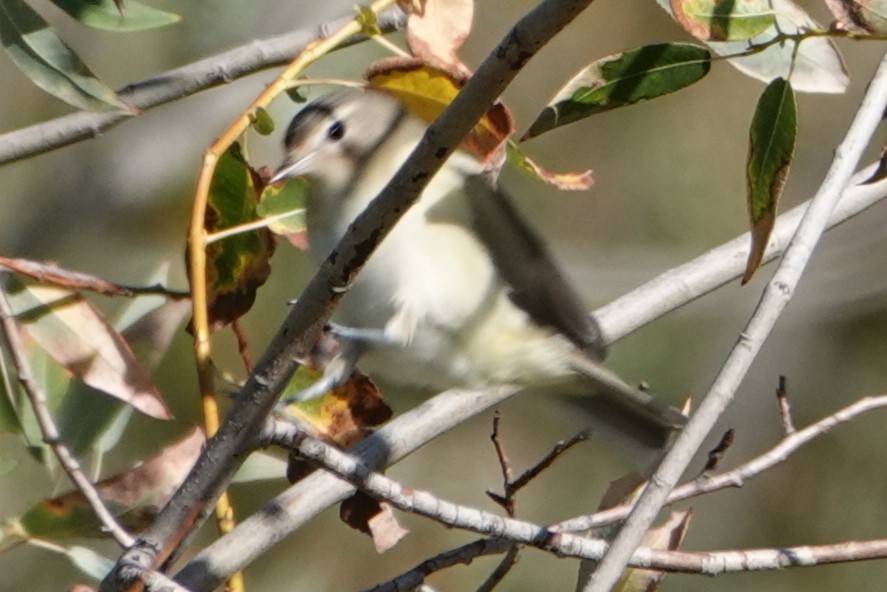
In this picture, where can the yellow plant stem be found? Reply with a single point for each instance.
(197, 239)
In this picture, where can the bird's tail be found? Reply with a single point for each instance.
(622, 410)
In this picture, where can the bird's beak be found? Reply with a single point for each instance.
(293, 166)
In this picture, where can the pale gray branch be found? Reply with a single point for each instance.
(735, 477)
(776, 296)
(351, 469)
(172, 85)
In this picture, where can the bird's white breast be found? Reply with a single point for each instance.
(432, 286)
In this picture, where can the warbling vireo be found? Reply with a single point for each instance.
(461, 292)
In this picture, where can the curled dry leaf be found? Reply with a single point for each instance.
(668, 536)
(373, 518)
(436, 29)
(578, 181)
(426, 90)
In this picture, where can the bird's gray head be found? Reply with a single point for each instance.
(330, 138)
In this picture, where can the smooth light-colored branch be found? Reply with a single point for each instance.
(351, 469)
(685, 283)
(50, 432)
(172, 85)
(740, 475)
(293, 508)
(774, 300)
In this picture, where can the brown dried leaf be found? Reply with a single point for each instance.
(668, 536)
(342, 417)
(563, 181)
(373, 518)
(79, 338)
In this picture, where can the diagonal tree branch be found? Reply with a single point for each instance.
(225, 452)
(773, 301)
(175, 84)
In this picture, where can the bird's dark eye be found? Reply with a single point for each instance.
(336, 131)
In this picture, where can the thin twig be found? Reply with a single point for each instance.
(47, 272)
(506, 501)
(740, 475)
(453, 515)
(502, 570)
(773, 301)
(785, 406)
(533, 472)
(176, 84)
(463, 555)
(717, 453)
(48, 428)
(242, 345)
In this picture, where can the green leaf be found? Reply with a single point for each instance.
(9, 391)
(134, 496)
(85, 415)
(771, 147)
(103, 14)
(54, 381)
(48, 62)
(623, 79)
(284, 205)
(262, 122)
(716, 20)
(239, 264)
(295, 95)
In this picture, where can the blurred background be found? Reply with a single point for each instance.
(669, 185)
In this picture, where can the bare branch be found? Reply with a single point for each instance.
(785, 406)
(563, 544)
(463, 555)
(774, 300)
(48, 429)
(50, 273)
(509, 561)
(172, 85)
(738, 476)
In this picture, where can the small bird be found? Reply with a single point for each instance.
(462, 292)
